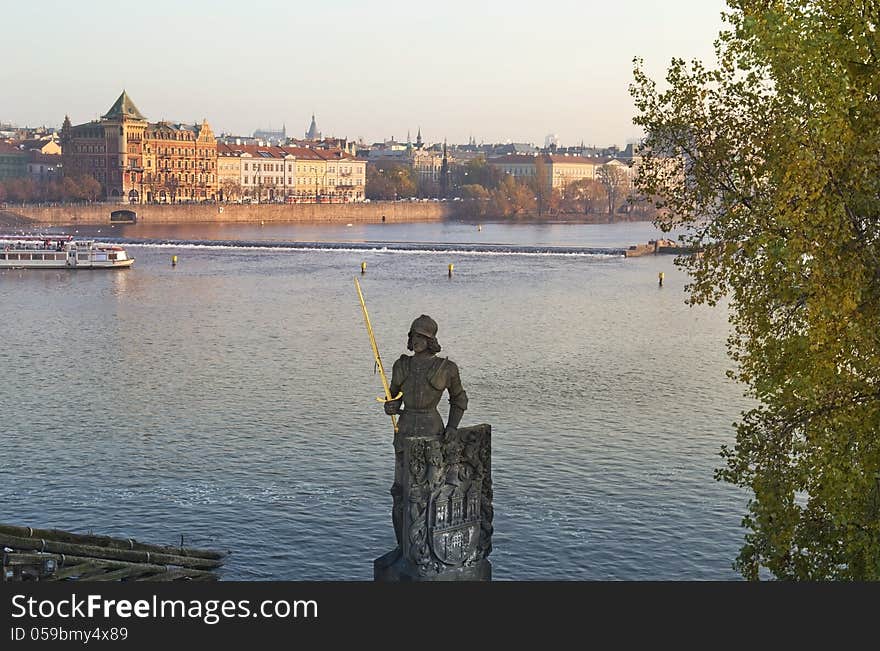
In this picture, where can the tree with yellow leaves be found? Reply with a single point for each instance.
(771, 162)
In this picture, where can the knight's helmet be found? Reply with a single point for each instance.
(427, 327)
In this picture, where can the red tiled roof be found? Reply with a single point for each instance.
(34, 144)
(512, 159)
(278, 153)
(576, 160)
(228, 150)
(303, 153)
(334, 154)
(6, 148)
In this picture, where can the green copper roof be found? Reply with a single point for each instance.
(124, 108)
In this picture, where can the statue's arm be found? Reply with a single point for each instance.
(397, 378)
(458, 399)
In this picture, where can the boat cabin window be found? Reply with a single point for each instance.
(83, 256)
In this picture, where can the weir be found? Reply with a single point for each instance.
(377, 246)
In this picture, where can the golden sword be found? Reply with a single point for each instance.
(388, 397)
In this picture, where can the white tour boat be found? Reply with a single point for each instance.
(36, 252)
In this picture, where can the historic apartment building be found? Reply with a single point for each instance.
(180, 163)
(137, 161)
(292, 174)
(560, 171)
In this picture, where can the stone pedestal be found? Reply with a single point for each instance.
(393, 567)
(447, 514)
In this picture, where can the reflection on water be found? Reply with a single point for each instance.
(231, 399)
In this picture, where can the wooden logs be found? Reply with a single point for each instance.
(96, 569)
(94, 551)
(106, 541)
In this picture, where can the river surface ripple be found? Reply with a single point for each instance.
(230, 399)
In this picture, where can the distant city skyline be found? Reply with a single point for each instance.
(495, 72)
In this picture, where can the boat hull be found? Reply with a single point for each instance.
(61, 264)
(37, 252)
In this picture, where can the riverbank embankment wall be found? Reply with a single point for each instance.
(391, 211)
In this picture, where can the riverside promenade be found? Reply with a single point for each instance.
(99, 213)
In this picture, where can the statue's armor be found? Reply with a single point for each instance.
(423, 381)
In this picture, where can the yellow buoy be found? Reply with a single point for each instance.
(173, 260)
(451, 267)
(363, 267)
(660, 278)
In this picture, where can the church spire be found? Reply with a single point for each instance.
(313, 133)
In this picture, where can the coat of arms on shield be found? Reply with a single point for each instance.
(454, 522)
(447, 514)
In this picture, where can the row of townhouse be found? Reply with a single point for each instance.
(292, 174)
(140, 161)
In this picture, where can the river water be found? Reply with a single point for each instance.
(230, 399)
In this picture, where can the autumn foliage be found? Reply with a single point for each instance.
(770, 160)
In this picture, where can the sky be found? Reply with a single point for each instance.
(510, 71)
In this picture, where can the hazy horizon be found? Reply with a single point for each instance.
(372, 71)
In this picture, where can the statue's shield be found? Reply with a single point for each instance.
(454, 523)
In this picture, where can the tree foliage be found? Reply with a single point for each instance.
(615, 182)
(770, 160)
(390, 182)
(477, 171)
(512, 198)
(541, 185)
(584, 195)
(66, 188)
(231, 189)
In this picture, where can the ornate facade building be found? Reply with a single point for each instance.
(180, 163)
(427, 165)
(136, 161)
